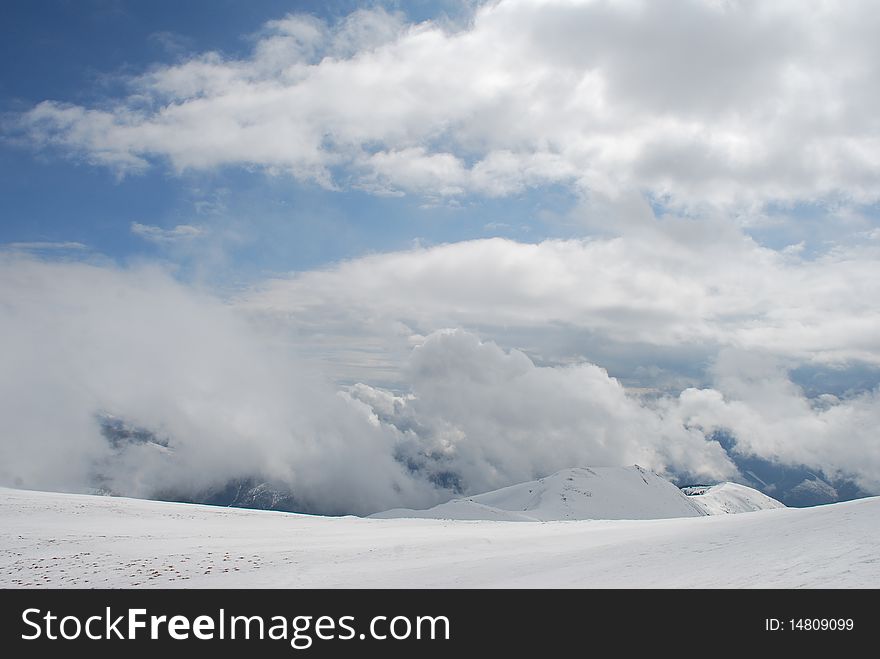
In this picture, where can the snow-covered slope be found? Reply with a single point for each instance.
(579, 493)
(64, 540)
(729, 498)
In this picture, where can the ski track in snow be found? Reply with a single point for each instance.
(66, 540)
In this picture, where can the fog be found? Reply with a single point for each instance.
(79, 340)
(221, 397)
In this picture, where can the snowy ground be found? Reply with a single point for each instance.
(62, 540)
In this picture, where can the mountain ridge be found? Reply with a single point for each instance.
(574, 493)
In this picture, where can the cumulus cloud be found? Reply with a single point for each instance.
(689, 103)
(487, 418)
(771, 418)
(78, 341)
(220, 397)
(694, 102)
(224, 399)
(483, 417)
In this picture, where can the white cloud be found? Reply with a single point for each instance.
(182, 232)
(695, 102)
(235, 401)
(43, 245)
(492, 418)
(674, 284)
(772, 418)
(78, 339)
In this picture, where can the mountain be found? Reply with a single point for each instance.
(244, 492)
(239, 493)
(578, 493)
(790, 485)
(793, 485)
(727, 498)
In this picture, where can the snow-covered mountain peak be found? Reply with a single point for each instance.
(727, 498)
(576, 493)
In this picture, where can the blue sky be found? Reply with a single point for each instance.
(83, 53)
(482, 223)
(80, 52)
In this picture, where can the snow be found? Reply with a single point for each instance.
(728, 498)
(65, 540)
(579, 493)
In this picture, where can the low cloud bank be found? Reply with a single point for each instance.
(128, 381)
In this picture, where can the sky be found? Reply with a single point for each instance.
(466, 243)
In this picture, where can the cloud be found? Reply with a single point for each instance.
(180, 233)
(771, 418)
(226, 398)
(675, 286)
(78, 340)
(171, 42)
(42, 245)
(695, 102)
(483, 417)
(486, 418)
